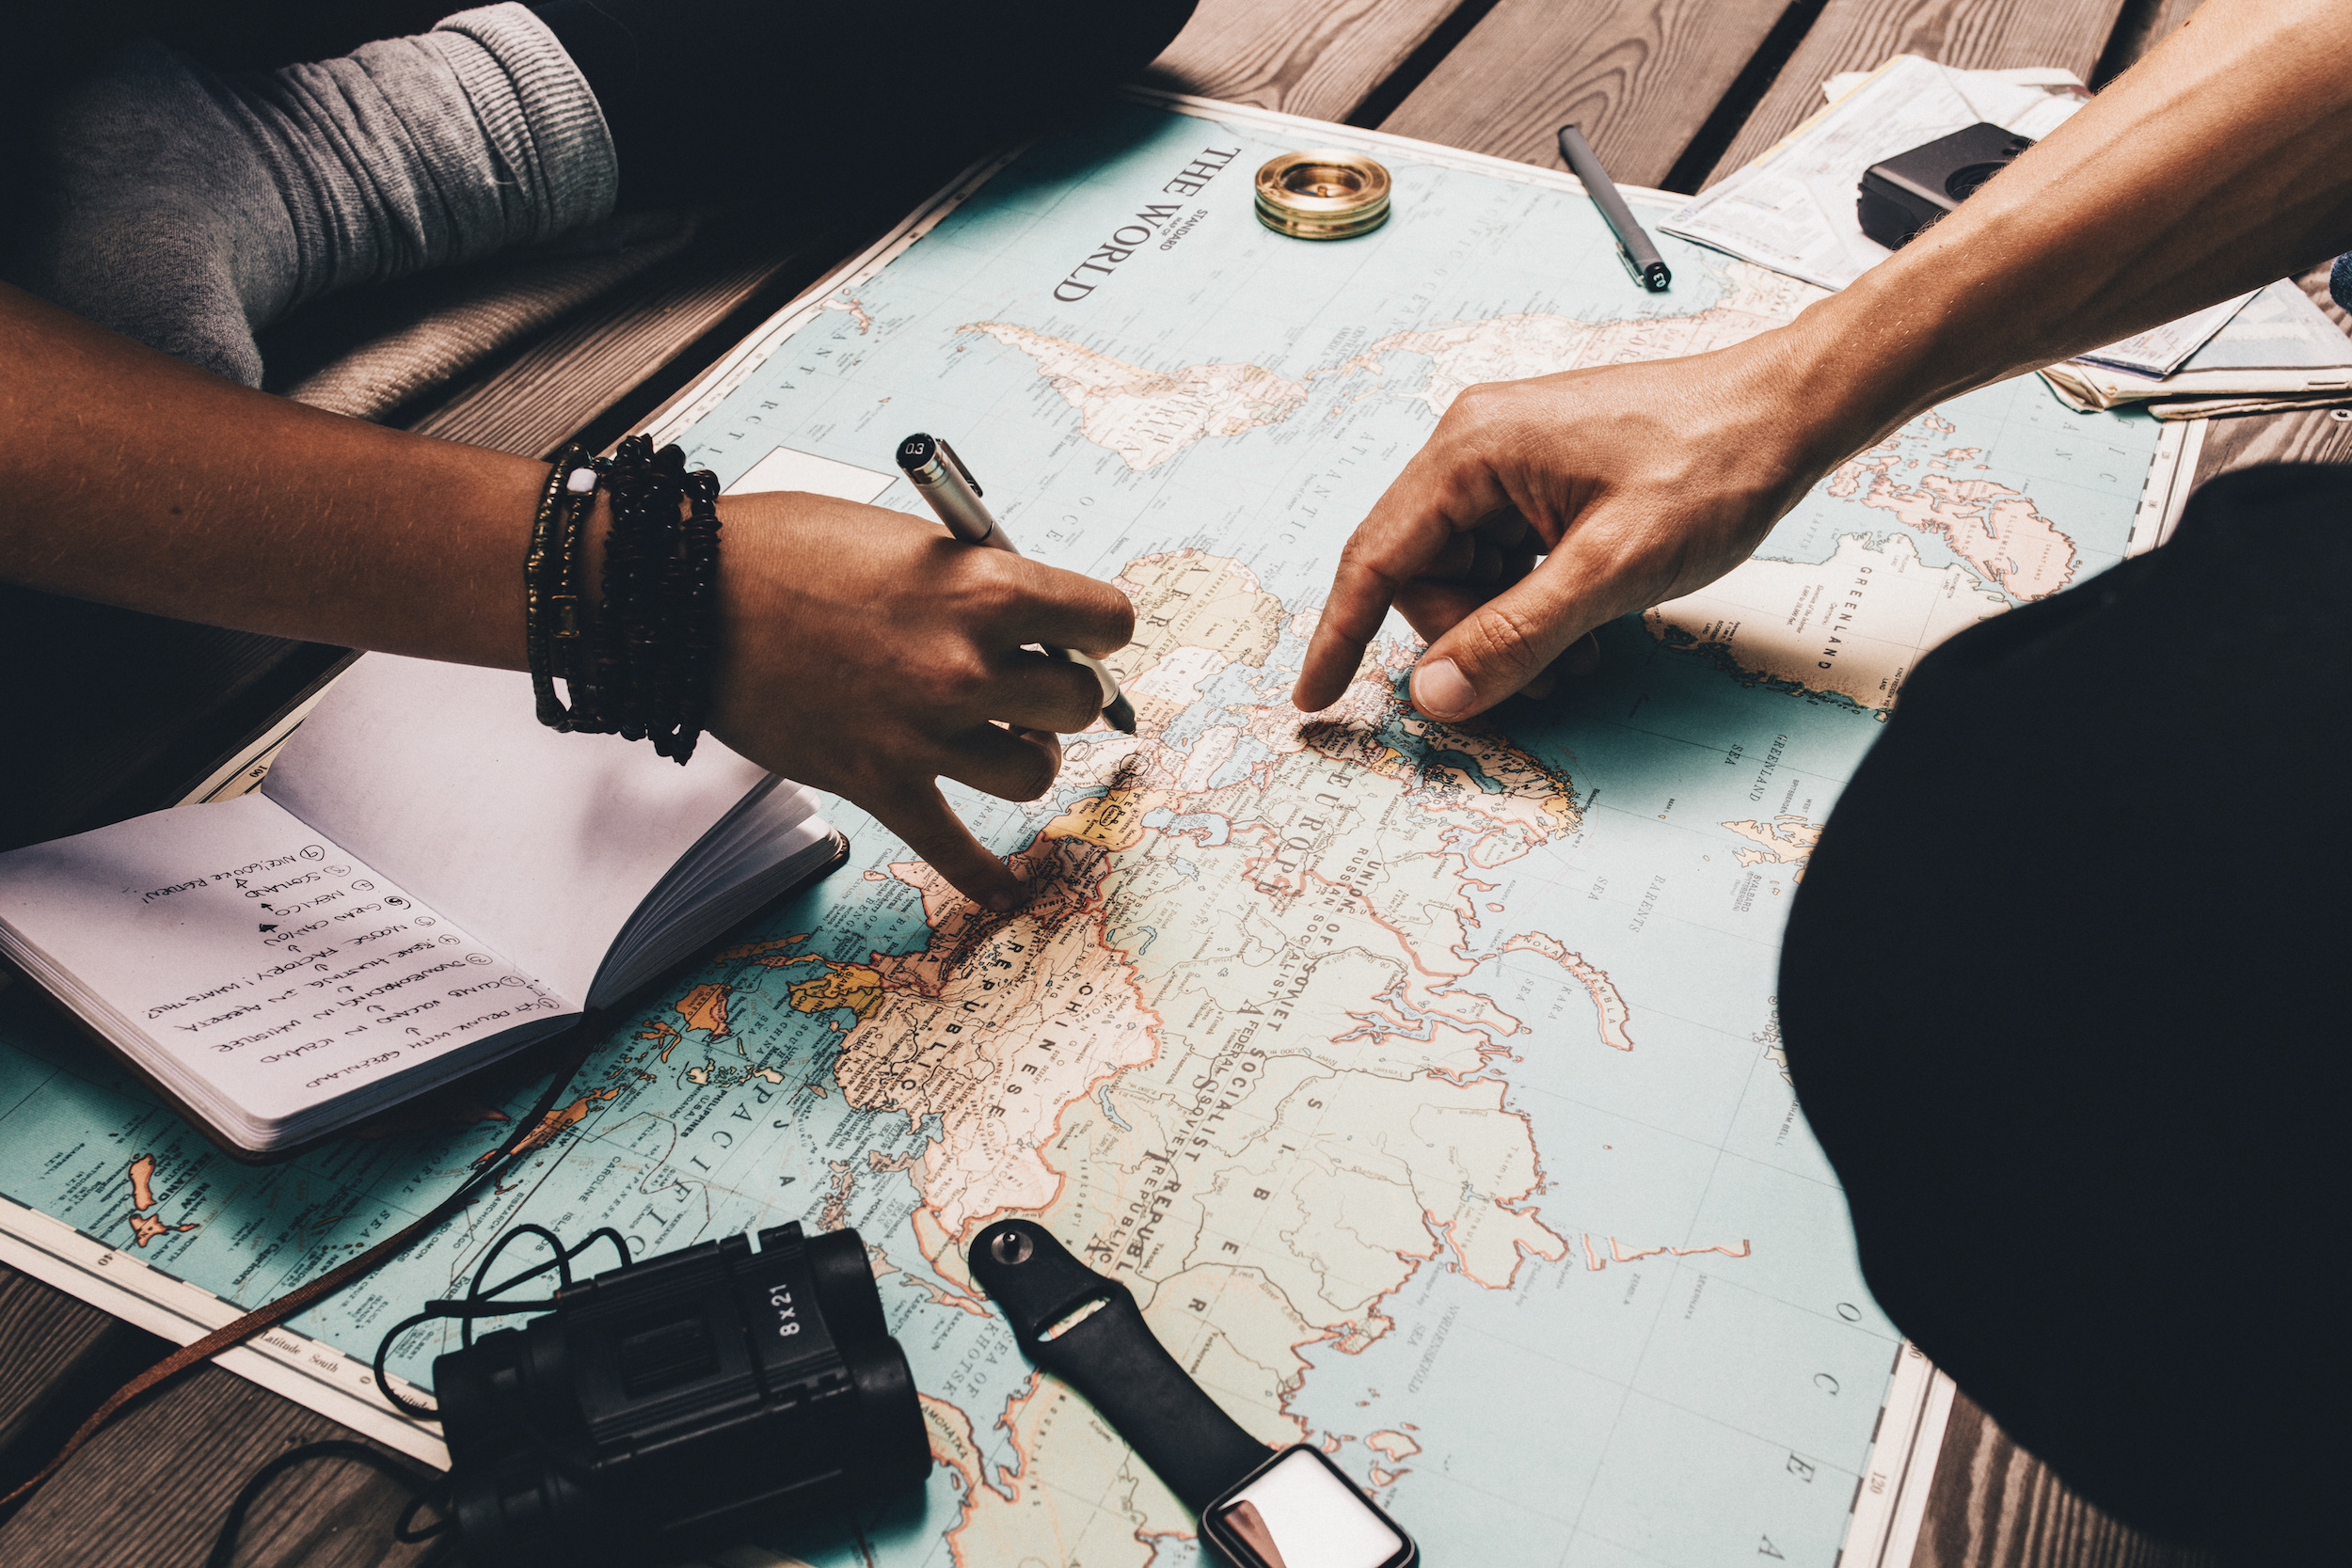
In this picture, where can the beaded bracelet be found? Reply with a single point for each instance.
(567, 639)
(550, 546)
(642, 664)
(695, 579)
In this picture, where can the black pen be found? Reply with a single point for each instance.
(950, 491)
(1634, 248)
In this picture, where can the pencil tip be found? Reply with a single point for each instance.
(1121, 716)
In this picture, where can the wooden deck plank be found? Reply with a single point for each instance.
(1322, 58)
(1996, 1506)
(43, 1334)
(2144, 23)
(1977, 34)
(561, 382)
(1640, 77)
(552, 387)
(153, 1488)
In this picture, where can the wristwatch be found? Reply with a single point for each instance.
(1259, 1507)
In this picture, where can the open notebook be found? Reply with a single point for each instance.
(426, 882)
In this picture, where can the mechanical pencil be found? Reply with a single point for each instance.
(948, 488)
(1634, 248)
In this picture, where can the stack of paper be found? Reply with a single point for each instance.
(2281, 351)
(1792, 210)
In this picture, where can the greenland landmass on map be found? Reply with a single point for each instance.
(1854, 626)
(1994, 527)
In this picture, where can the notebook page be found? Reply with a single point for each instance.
(544, 843)
(254, 966)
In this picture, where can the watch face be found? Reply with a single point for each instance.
(1302, 1511)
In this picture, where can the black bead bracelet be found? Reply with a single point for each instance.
(638, 663)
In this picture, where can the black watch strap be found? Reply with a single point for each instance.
(1112, 1357)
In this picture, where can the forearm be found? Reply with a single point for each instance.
(861, 650)
(2221, 162)
(135, 480)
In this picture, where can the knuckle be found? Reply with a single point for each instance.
(1506, 641)
(964, 671)
(1364, 559)
(1079, 700)
(1478, 395)
(1087, 599)
(996, 579)
(868, 784)
(1654, 565)
(1026, 777)
(1481, 405)
(1037, 776)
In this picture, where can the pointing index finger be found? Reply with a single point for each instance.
(1437, 495)
(920, 816)
(1360, 596)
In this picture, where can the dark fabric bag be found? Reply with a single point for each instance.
(2064, 995)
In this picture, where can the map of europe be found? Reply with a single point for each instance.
(1422, 1082)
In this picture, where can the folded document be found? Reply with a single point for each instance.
(2280, 351)
(1792, 210)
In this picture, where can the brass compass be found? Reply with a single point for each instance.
(1322, 195)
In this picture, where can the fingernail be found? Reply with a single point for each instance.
(1001, 902)
(1440, 690)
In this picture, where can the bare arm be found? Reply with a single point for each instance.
(2221, 162)
(137, 480)
(864, 651)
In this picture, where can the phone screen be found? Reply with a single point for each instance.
(1301, 1512)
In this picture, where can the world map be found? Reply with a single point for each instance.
(1424, 1081)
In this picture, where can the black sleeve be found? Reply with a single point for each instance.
(2064, 997)
(711, 99)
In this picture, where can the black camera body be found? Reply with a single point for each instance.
(1903, 195)
(699, 1399)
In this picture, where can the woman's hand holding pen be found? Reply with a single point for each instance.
(871, 655)
(865, 651)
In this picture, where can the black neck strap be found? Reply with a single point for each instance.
(1111, 1358)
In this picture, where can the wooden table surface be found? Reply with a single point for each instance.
(1673, 93)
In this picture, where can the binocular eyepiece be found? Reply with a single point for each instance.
(699, 1399)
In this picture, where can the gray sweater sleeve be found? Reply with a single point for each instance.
(188, 209)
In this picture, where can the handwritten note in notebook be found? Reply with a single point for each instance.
(428, 880)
